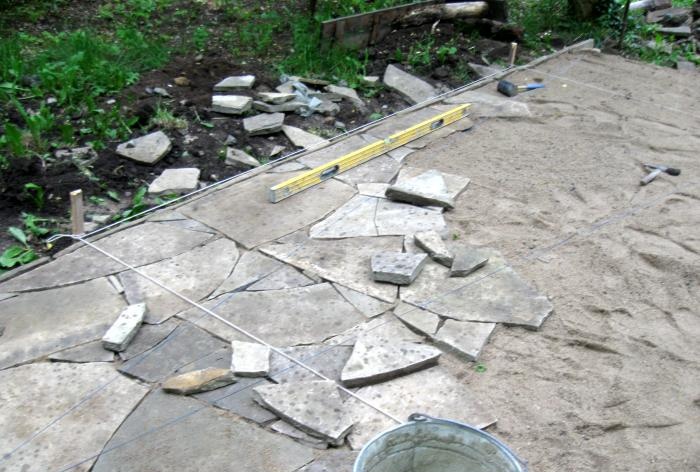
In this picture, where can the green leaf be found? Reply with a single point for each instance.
(113, 195)
(18, 234)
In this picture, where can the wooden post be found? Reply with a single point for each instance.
(513, 53)
(76, 212)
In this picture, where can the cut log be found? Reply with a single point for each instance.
(446, 12)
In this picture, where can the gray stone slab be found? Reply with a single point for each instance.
(412, 88)
(184, 345)
(287, 167)
(463, 124)
(88, 352)
(251, 267)
(264, 123)
(368, 306)
(289, 317)
(194, 274)
(264, 221)
(465, 338)
(284, 277)
(405, 120)
(456, 184)
(123, 330)
(398, 268)
(285, 107)
(194, 437)
(5, 296)
(336, 460)
(446, 397)
(409, 245)
(332, 152)
(345, 261)
(40, 323)
(677, 31)
(250, 359)
(197, 381)
(315, 407)
(376, 359)
(494, 294)
(396, 218)
(380, 169)
(355, 218)
(275, 97)
(139, 245)
(418, 319)
(287, 429)
(301, 138)
(432, 243)
(329, 360)
(468, 260)
(188, 224)
(237, 82)
(484, 71)
(426, 189)
(91, 416)
(231, 104)
(240, 159)
(238, 398)
(347, 94)
(175, 181)
(147, 149)
(147, 337)
(374, 189)
(492, 105)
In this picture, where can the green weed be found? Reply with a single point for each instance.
(200, 36)
(138, 205)
(420, 54)
(35, 193)
(17, 255)
(36, 225)
(163, 118)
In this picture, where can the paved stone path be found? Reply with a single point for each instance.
(297, 274)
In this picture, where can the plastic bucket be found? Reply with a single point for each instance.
(426, 444)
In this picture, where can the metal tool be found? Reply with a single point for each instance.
(656, 170)
(509, 89)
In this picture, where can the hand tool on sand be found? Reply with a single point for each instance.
(509, 89)
(656, 170)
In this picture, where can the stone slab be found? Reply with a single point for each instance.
(334, 151)
(426, 189)
(336, 460)
(184, 345)
(409, 245)
(412, 88)
(456, 184)
(175, 181)
(147, 337)
(236, 82)
(88, 352)
(123, 330)
(288, 317)
(275, 97)
(147, 149)
(285, 107)
(198, 381)
(301, 138)
(91, 416)
(265, 221)
(380, 169)
(40, 323)
(231, 104)
(348, 94)
(5, 296)
(194, 274)
(291, 166)
(494, 294)
(250, 359)
(329, 360)
(284, 277)
(465, 338)
(196, 437)
(314, 407)
(447, 397)
(489, 105)
(420, 320)
(432, 243)
(238, 398)
(355, 218)
(345, 261)
(240, 159)
(376, 359)
(368, 306)
(398, 268)
(287, 429)
(396, 218)
(374, 189)
(468, 260)
(264, 123)
(251, 268)
(85, 263)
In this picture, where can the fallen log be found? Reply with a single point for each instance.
(444, 12)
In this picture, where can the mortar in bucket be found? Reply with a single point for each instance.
(426, 444)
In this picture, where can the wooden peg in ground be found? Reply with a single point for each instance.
(77, 213)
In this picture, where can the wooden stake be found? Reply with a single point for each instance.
(513, 53)
(77, 212)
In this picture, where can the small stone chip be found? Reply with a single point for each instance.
(432, 243)
(199, 381)
(120, 334)
(250, 359)
(468, 260)
(397, 267)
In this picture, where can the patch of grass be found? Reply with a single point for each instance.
(164, 118)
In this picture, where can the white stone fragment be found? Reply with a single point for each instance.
(433, 244)
(250, 359)
(276, 98)
(264, 123)
(240, 82)
(147, 149)
(414, 89)
(240, 159)
(397, 268)
(301, 138)
(231, 104)
(120, 334)
(426, 189)
(175, 181)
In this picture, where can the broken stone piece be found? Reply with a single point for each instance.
(301, 138)
(250, 359)
(199, 381)
(328, 108)
(314, 407)
(264, 123)
(397, 267)
(432, 243)
(283, 107)
(466, 338)
(240, 159)
(283, 427)
(231, 104)
(412, 88)
(240, 82)
(147, 149)
(426, 189)
(371, 80)
(276, 98)
(175, 181)
(120, 334)
(347, 93)
(467, 260)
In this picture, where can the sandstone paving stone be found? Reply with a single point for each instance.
(5, 296)
(238, 398)
(237, 82)
(194, 274)
(147, 337)
(57, 388)
(463, 124)
(380, 169)
(301, 138)
(418, 319)
(251, 268)
(284, 277)
(175, 181)
(85, 263)
(426, 189)
(495, 294)
(375, 359)
(302, 315)
(456, 184)
(198, 381)
(446, 397)
(405, 120)
(240, 159)
(264, 221)
(188, 224)
(329, 360)
(123, 330)
(334, 151)
(412, 88)
(286, 107)
(89, 352)
(386, 326)
(396, 218)
(409, 245)
(372, 189)
(291, 166)
(368, 306)
(283, 427)
(195, 437)
(250, 359)
(347, 93)
(344, 261)
(314, 407)
(264, 123)
(398, 268)
(465, 338)
(336, 460)
(433, 244)
(147, 149)
(275, 97)
(184, 345)
(491, 105)
(355, 218)
(40, 323)
(231, 104)
(468, 260)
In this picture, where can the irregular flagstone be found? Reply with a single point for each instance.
(147, 149)
(283, 427)
(397, 268)
(314, 407)
(347, 93)
(57, 388)
(285, 107)
(264, 221)
(240, 159)
(194, 274)
(123, 330)
(386, 326)
(380, 169)
(237, 82)
(251, 267)
(301, 138)
(376, 359)
(446, 397)
(355, 218)
(287, 167)
(238, 398)
(276, 98)
(250, 359)
(420, 320)
(166, 215)
(468, 260)
(39, 323)
(395, 218)
(405, 120)
(412, 88)
(88, 352)
(184, 345)
(175, 181)
(284, 277)
(494, 294)
(85, 263)
(329, 360)
(264, 123)
(334, 151)
(191, 225)
(147, 337)
(455, 183)
(426, 189)
(288, 317)
(198, 381)
(372, 189)
(368, 306)
(409, 245)
(5, 296)
(345, 261)
(467, 338)
(433, 244)
(182, 442)
(231, 104)
(463, 124)
(492, 105)
(336, 460)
